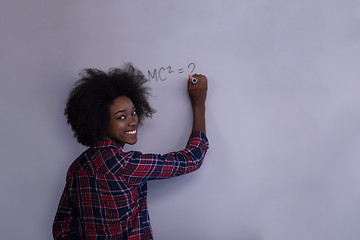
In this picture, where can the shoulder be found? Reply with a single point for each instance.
(109, 157)
(95, 157)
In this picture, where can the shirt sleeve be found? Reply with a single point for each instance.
(65, 226)
(139, 168)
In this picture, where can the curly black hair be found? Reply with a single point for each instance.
(87, 108)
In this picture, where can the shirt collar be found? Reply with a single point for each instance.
(107, 143)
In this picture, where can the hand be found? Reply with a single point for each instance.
(197, 91)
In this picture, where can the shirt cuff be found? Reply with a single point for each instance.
(200, 136)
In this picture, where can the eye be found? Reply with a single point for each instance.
(122, 117)
(133, 113)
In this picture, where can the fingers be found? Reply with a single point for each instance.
(189, 80)
(197, 78)
(197, 89)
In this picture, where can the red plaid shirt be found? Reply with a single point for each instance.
(105, 191)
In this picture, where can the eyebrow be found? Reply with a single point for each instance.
(123, 110)
(120, 111)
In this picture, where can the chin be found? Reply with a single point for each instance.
(132, 143)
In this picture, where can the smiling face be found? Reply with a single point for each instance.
(123, 121)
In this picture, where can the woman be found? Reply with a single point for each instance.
(106, 187)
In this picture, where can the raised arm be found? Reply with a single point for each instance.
(143, 167)
(197, 90)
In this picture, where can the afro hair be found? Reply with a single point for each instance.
(87, 108)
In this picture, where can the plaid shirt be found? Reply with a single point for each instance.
(105, 191)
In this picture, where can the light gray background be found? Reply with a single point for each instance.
(283, 111)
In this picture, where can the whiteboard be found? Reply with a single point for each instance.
(283, 111)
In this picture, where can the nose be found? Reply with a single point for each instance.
(133, 120)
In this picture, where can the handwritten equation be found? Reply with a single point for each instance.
(164, 72)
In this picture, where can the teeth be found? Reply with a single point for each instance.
(131, 132)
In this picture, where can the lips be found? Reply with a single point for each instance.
(131, 132)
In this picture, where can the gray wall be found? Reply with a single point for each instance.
(283, 111)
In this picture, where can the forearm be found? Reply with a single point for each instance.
(199, 118)
(140, 167)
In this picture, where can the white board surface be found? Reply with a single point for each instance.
(283, 111)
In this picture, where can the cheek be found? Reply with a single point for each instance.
(113, 128)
